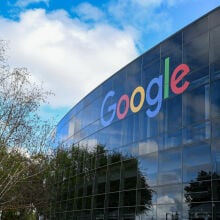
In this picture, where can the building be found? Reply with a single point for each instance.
(147, 140)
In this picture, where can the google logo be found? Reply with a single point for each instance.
(163, 83)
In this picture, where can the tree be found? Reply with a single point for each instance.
(22, 135)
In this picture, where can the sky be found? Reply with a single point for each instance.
(72, 46)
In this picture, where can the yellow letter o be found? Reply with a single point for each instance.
(137, 108)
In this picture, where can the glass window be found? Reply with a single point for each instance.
(169, 194)
(133, 75)
(131, 129)
(129, 198)
(99, 201)
(195, 29)
(215, 44)
(150, 71)
(88, 115)
(101, 159)
(196, 133)
(106, 86)
(89, 180)
(118, 82)
(98, 212)
(78, 203)
(148, 165)
(150, 145)
(198, 77)
(196, 159)
(198, 191)
(173, 113)
(169, 166)
(216, 190)
(214, 18)
(89, 163)
(174, 43)
(196, 53)
(101, 185)
(195, 105)
(92, 96)
(150, 56)
(144, 197)
(216, 128)
(114, 177)
(215, 99)
(148, 126)
(72, 183)
(61, 133)
(113, 213)
(113, 200)
(175, 59)
(215, 70)
(127, 213)
(111, 136)
(199, 211)
(87, 202)
(215, 147)
(130, 174)
(148, 214)
(169, 212)
(173, 139)
(114, 157)
(80, 185)
(129, 151)
(216, 210)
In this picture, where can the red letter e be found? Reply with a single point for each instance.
(184, 69)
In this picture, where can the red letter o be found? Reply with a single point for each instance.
(126, 99)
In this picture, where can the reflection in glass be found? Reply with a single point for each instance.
(168, 212)
(196, 133)
(215, 147)
(195, 30)
(196, 53)
(148, 165)
(196, 105)
(113, 189)
(215, 45)
(169, 166)
(215, 99)
(173, 139)
(199, 194)
(173, 113)
(195, 158)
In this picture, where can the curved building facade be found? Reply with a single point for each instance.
(146, 142)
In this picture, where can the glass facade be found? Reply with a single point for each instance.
(145, 144)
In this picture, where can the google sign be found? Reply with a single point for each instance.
(163, 82)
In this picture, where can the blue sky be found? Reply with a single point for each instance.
(74, 45)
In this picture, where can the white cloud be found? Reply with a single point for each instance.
(143, 17)
(70, 57)
(148, 2)
(147, 147)
(87, 11)
(25, 3)
(156, 3)
(165, 200)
